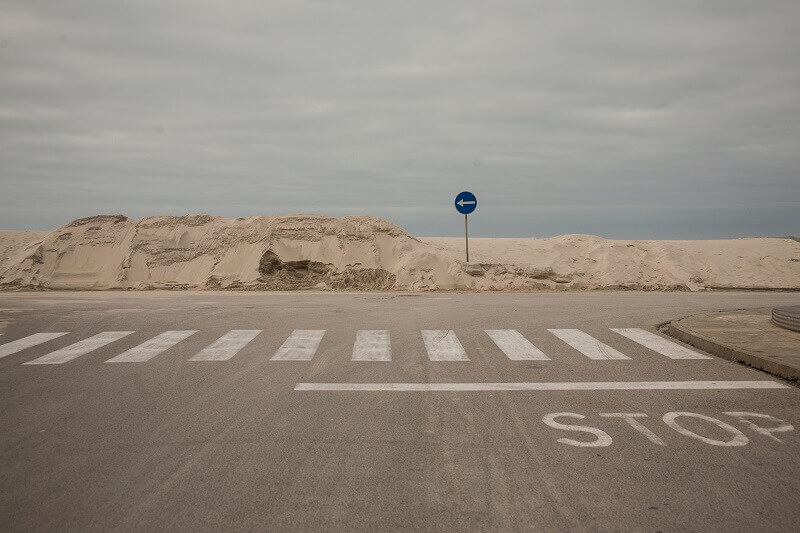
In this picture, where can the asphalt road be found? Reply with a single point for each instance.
(162, 442)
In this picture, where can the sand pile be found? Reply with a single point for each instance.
(590, 262)
(201, 251)
(368, 253)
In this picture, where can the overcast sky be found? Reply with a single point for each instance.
(622, 119)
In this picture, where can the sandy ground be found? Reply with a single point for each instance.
(368, 253)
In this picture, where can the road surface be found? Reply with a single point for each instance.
(298, 411)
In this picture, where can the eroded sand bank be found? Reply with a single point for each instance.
(368, 253)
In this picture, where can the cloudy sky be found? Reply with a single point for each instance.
(622, 119)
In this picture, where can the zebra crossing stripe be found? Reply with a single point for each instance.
(515, 346)
(659, 344)
(73, 351)
(372, 345)
(27, 342)
(149, 349)
(443, 345)
(301, 345)
(226, 346)
(588, 345)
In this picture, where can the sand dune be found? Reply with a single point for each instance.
(368, 253)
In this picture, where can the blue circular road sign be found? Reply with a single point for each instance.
(466, 203)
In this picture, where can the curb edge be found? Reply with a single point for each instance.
(730, 353)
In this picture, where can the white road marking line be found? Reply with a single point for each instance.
(149, 349)
(301, 345)
(226, 346)
(587, 345)
(515, 346)
(443, 345)
(80, 348)
(659, 344)
(27, 342)
(546, 386)
(372, 345)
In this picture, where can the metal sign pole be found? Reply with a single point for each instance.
(466, 204)
(466, 236)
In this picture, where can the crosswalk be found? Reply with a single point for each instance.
(73, 351)
(149, 349)
(368, 346)
(443, 345)
(227, 346)
(372, 345)
(301, 345)
(659, 344)
(30, 341)
(515, 346)
(587, 345)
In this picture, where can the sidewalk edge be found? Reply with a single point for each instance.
(730, 353)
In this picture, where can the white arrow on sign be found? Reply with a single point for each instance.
(462, 203)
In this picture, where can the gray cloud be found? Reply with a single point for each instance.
(629, 119)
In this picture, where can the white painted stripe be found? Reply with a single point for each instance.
(149, 349)
(27, 342)
(443, 345)
(659, 344)
(80, 348)
(226, 346)
(587, 345)
(515, 346)
(372, 345)
(562, 386)
(301, 345)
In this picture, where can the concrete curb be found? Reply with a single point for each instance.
(787, 317)
(720, 349)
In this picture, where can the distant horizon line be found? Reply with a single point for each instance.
(549, 235)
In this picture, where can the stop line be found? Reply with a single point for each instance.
(368, 346)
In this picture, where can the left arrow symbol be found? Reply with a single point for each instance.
(462, 203)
